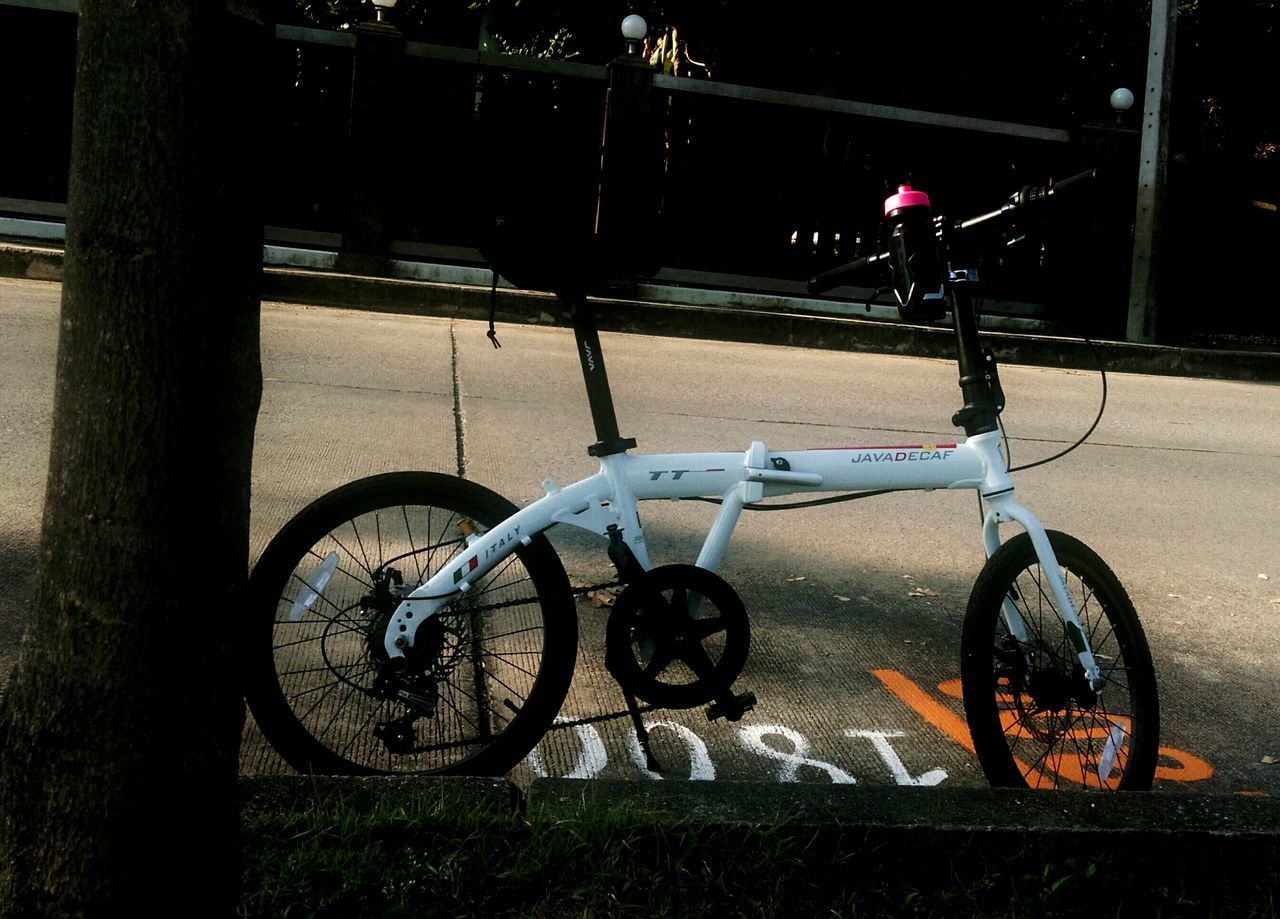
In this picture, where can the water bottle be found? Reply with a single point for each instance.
(913, 256)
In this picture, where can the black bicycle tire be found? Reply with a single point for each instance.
(273, 714)
(995, 752)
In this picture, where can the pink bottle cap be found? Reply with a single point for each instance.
(906, 197)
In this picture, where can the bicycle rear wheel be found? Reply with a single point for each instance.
(1033, 717)
(487, 674)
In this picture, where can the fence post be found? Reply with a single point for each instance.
(630, 195)
(372, 140)
(1153, 167)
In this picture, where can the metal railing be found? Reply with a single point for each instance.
(752, 251)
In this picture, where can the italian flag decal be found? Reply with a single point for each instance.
(466, 569)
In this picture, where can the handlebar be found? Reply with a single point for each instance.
(1028, 196)
(839, 274)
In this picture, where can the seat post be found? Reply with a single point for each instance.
(599, 396)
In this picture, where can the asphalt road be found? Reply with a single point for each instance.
(1176, 489)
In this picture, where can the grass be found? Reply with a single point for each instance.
(419, 860)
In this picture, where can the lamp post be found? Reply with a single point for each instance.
(634, 29)
(631, 160)
(1111, 143)
(1121, 102)
(1153, 165)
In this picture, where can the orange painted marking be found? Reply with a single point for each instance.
(1188, 768)
(1254, 794)
(943, 718)
(924, 705)
(951, 688)
(1184, 766)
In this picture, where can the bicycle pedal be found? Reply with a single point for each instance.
(734, 708)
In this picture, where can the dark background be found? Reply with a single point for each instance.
(744, 178)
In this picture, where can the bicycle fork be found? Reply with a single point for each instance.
(1003, 509)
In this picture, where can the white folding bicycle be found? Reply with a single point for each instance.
(419, 622)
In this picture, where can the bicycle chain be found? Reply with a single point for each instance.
(576, 591)
(583, 591)
(580, 592)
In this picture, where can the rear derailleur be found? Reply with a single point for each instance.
(412, 680)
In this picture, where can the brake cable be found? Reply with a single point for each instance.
(837, 499)
(834, 499)
(1102, 407)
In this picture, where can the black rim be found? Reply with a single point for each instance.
(1058, 730)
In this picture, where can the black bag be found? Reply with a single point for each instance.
(540, 152)
(541, 143)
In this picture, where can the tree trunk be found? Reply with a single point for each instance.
(121, 723)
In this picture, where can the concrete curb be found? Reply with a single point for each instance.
(1201, 850)
(416, 794)
(31, 262)
(801, 330)
(849, 808)
(796, 329)
(890, 850)
(929, 810)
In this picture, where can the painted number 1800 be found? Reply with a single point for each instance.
(789, 751)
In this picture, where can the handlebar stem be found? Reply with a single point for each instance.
(980, 413)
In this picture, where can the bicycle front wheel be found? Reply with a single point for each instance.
(486, 675)
(1034, 719)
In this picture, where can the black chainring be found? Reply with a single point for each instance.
(677, 637)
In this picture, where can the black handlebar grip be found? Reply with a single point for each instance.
(1087, 176)
(1035, 195)
(836, 276)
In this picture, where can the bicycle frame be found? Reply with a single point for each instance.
(607, 502)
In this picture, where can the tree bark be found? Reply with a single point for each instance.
(120, 726)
